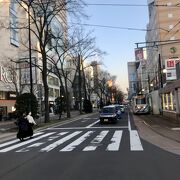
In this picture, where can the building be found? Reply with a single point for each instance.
(15, 76)
(163, 52)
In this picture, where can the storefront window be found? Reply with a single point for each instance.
(169, 102)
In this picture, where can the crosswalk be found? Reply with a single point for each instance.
(67, 141)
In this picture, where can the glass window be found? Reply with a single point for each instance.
(13, 24)
(51, 92)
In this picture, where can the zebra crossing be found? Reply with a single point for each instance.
(67, 141)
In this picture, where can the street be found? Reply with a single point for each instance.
(84, 149)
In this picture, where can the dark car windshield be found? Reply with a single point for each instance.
(108, 110)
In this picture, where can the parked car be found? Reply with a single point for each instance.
(109, 114)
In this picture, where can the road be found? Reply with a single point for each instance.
(86, 150)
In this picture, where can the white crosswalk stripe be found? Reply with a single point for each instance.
(59, 142)
(25, 142)
(115, 141)
(77, 142)
(92, 140)
(96, 141)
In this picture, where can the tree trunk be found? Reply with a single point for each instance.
(46, 89)
(67, 100)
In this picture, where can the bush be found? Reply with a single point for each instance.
(87, 106)
(25, 103)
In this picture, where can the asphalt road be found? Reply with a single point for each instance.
(86, 150)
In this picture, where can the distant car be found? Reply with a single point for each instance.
(118, 110)
(109, 114)
(122, 107)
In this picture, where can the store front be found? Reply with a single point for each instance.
(170, 98)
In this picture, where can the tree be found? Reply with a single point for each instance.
(43, 14)
(25, 103)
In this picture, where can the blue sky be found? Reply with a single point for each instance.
(118, 43)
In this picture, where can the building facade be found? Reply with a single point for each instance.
(14, 56)
(163, 52)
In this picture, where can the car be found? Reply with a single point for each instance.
(109, 114)
(118, 110)
(122, 108)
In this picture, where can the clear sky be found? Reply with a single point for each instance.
(118, 43)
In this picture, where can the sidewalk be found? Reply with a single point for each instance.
(162, 126)
(8, 128)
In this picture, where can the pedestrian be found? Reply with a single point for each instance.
(30, 119)
(23, 127)
(31, 124)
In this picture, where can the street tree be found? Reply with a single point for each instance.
(43, 15)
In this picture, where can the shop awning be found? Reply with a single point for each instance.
(170, 87)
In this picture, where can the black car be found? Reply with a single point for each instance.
(108, 114)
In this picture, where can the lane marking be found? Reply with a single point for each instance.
(17, 140)
(92, 124)
(115, 141)
(129, 123)
(77, 142)
(69, 128)
(135, 142)
(25, 142)
(59, 142)
(96, 141)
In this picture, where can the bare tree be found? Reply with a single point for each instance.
(84, 50)
(43, 13)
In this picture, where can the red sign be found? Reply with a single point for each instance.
(170, 63)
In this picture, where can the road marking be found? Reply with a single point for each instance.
(135, 143)
(25, 142)
(77, 142)
(92, 124)
(129, 123)
(82, 128)
(115, 141)
(17, 140)
(59, 142)
(96, 141)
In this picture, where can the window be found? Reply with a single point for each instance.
(171, 26)
(13, 24)
(172, 38)
(51, 92)
(169, 102)
(170, 15)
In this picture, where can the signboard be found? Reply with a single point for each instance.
(139, 54)
(170, 66)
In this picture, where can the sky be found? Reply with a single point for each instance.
(119, 44)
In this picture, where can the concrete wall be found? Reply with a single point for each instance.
(155, 102)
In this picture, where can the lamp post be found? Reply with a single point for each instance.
(30, 57)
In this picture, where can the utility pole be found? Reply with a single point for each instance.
(160, 72)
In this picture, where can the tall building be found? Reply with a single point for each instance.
(163, 52)
(15, 76)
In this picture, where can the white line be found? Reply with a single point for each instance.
(115, 141)
(59, 142)
(25, 142)
(92, 124)
(96, 141)
(17, 140)
(77, 142)
(175, 129)
(103, 127)
(135, 142)
(129, 123)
